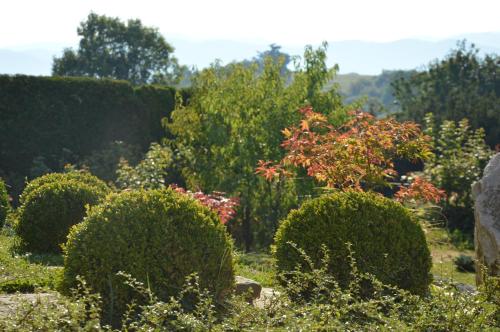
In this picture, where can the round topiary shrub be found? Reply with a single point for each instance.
(158, 237)
(48, 212)
(79, 176)
(386, 240)
(4, 203)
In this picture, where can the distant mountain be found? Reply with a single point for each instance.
(368, 58)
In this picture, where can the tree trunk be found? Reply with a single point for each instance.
(247, 226)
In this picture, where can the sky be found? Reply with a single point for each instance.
(27, 23)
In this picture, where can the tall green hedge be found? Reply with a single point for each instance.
(53, 117)
(4, 203)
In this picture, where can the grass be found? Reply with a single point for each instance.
(256, 266)
(26, 273)
(443, 252)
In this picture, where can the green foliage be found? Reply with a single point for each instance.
(460, 157)
(233, 119)
(112, 49)
(331, 308)
(20, 274)
(51, 205)
(4, 203)
(104, 163)
(256, 266)
(53, 312)
(376, 91)
(386, 239)
(78, 176)
(149, 173)
(465, 263)
(50, 121)
(462, 85)
(159, 237)
(277, 56)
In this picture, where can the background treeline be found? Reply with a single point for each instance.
(47, 122)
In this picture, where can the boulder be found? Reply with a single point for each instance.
(486, 195)
(248, 287)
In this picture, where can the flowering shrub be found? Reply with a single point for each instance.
(225, 207)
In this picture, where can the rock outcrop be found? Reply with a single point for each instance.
(248, 287)
(486, 194)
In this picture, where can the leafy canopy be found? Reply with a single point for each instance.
(463, 85)
(234, 118)
(357, 154)
(110, 48)
(460, 157)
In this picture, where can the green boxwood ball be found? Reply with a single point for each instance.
(79, 176)
(386, 240)
(159, 237)
(48, 212)
(4, 203)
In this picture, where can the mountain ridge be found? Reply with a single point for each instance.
(362, 57)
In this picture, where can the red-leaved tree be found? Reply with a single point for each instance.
(357, 155)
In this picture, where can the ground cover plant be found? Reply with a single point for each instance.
(328, 307)
(20, 273)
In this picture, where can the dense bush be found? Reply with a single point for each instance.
(79, 176)
(461, 154)
(159, 237)
(385, 238)
(49, 210)
(4, 203)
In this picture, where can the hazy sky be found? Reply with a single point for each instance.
(26, 23)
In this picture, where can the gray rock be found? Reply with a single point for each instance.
(9, 302)
(248, 287)
(267, 295)
(486, 194)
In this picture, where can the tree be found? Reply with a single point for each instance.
(110, 48)
(233, 119)
(463, 85)
(460, 157)
(356, 155)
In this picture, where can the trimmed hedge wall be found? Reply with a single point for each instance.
(47, 116)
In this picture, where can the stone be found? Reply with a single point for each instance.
(9, 302)
(249, 287)
(486, 195)
(267, 295)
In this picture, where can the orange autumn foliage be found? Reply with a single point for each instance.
(358, 154)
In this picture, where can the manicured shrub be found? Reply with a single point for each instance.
(48, 211)
(385, 240)
(79, 176)
(158, 237)
(4, 203)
